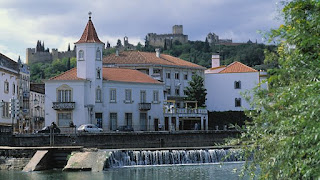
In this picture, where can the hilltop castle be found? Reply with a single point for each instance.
(162, 40)
(40, 54)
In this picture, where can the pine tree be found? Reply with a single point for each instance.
(69, 47)
(68, 64)
(196, 91)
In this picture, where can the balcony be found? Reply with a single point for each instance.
(144, 106)
(63, 105)
(184, 111)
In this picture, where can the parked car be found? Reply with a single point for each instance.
(125, 128)
(90, 128)
(47, 130)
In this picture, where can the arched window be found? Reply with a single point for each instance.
(237, 102)
(237, 84)
(98, 94)
(81, 55)
(98, 55)
(64, 93)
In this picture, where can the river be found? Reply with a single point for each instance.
(216, 171)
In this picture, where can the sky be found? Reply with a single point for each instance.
(60, 22)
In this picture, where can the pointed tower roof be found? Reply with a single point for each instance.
(89, 34)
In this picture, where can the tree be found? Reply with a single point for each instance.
(284, 136)
(196, 91)
(119, 44)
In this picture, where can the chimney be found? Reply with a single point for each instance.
(215, 62)
(157, 52)
(117, 52)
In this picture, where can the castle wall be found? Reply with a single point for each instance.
(34, 57)
(158, 40)
(46, 57)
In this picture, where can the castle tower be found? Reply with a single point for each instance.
(177, 29)
(89, 59)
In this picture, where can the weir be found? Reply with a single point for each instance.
(122, 158)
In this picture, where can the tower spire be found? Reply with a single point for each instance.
(89, 13)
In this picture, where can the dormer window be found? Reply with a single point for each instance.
(98, 55)
(81, 55)
(237, 84)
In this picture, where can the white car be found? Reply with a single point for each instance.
(90, 128)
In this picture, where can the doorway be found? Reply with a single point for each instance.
(99, 119)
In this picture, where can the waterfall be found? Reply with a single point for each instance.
(158, 157)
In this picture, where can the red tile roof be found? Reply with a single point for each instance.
(111, 74)
(68, 75)
(237, 67)
(137, 57)
(89, 34)
(127, 75)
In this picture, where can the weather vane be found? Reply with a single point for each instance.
(89, 14)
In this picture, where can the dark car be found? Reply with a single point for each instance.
(125, 128)
(47, 130)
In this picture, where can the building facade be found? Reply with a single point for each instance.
(37, 106)
(14, 84)
(107, 97)
(175, 74)
(226, 84)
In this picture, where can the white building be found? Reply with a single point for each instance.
(175, 73)
(108, 97)
(37, 106)
(9, 79)
(225, 84)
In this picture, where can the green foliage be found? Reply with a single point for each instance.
(40, 71)
(196, 91)
(285, 132)
(200, 52)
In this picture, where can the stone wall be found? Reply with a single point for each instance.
(129, 140)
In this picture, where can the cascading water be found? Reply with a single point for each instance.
(160, 157)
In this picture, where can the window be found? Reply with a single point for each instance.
(237, 84)
(177, 91)
(113, 95)
(128, 119)
(13, 89)
(81, 55)
(238, 102)
(98, 73)
(155, 96)
(113, 121)
(176, 75)
(169, 90)
(143, 96)
(98, 55)
(98, 94)
(168, 75)
(128, 95)
(64, 96)
(185, 76)
(5, 110)
(6, 87)
(156, 71)
(64, 119)
(185, 92)
(143, 121)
